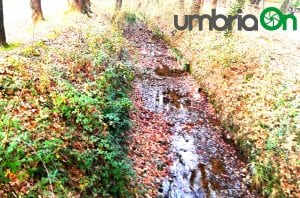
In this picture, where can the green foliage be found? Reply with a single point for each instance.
(109, 172)
(101, 110)
(185, 65)
(80, 108)
(11, 148)
(233, 10)
(176, 53)
(158, 33)
(20, 156)
(264, 174)
(10, 46)
(30, 52)
(130, 17)
(100, 58)
(69, 140)
(227, 50)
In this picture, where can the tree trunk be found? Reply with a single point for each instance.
(118, 5)
(214, 4)
(181, 6)
(196, 6)
(84, 6)
(2, 30)
(181, 11)
(37, 13)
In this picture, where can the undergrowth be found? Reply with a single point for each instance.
(63, 129)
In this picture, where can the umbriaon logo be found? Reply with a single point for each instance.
(271, 19)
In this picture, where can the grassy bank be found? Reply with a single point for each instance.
(255, 101)
(64, 114)
(253, 81)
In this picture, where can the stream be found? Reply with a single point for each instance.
(204, 162)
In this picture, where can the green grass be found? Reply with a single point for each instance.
(10, 46)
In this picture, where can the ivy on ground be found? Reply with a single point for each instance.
(63, 133)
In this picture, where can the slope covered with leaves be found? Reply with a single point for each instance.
(64, 110)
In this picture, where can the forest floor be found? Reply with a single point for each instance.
(64, 109)
(178, 146)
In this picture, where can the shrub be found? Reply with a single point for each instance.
(68, 138)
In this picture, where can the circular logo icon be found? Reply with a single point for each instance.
(270, 18)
